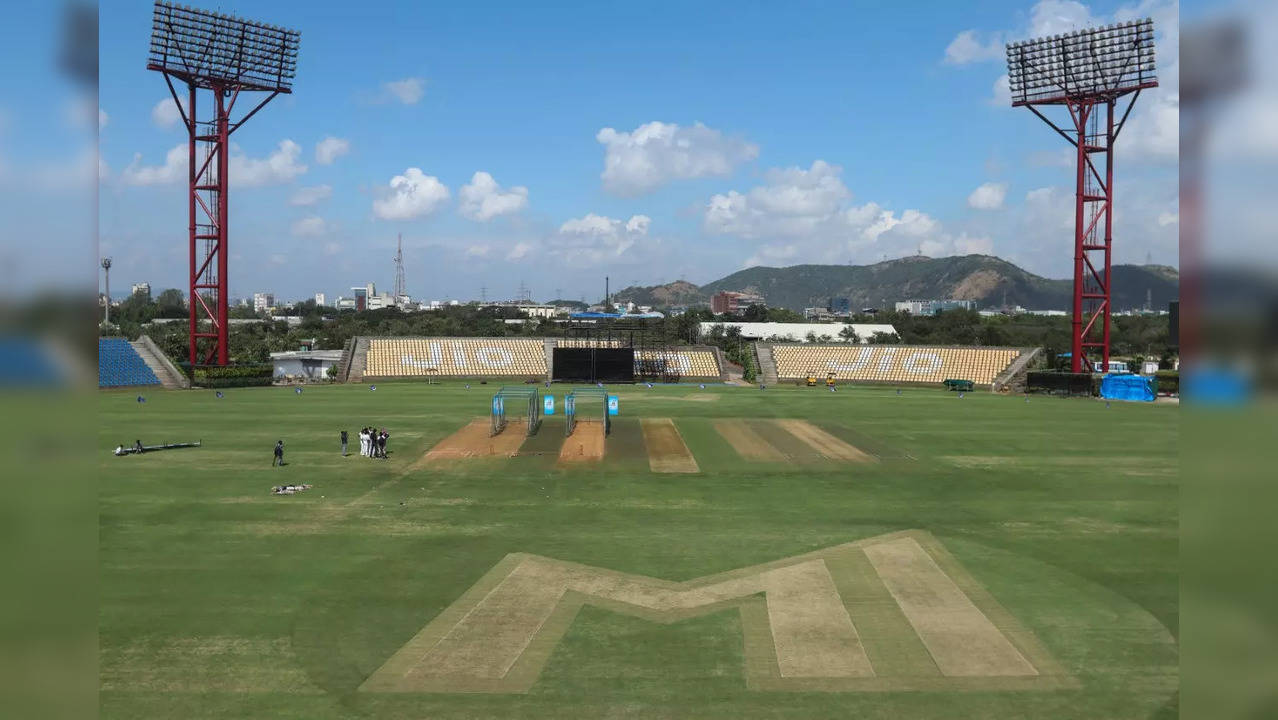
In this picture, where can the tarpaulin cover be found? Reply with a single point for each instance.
(1127, 387)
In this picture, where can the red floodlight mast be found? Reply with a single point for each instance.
(1087, 71)
(227, 56)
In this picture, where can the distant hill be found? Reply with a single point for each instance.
(678, 292)
(988, 280)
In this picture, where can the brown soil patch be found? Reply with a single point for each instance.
(960, 638)
(823, 442)
(748, 443)
(667, 452)
(586, 444)
(473, 441)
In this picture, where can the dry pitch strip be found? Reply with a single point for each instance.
(754, 440)
(893, 612)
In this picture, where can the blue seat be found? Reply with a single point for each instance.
(24, 362)
(119, 365)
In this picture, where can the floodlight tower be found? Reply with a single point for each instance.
(1088, 72)
(226, 56)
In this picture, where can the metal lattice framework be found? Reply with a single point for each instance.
(587, 396)
(512, 399)
(652, 349)
(227, 56)
(1087, 72)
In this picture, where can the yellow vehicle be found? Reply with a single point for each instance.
(829, 380)
(812, 381)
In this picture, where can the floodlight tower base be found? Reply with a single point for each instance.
(208, 215)
(1093, 234)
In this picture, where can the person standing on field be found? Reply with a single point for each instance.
(343, 443)
(279, 454)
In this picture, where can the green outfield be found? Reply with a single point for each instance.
(734, 553)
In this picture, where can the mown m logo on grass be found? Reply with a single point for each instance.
(895, 612)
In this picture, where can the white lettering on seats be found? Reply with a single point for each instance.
(863, 358)
(922, 363)
(485, 356)
(885, 362)
(431, 362)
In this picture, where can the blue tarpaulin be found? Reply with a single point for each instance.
(1127, 387)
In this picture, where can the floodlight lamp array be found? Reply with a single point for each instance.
(210, 49)
(1101, 62)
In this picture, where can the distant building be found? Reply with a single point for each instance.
(345, 303)
(798, 332)
(320, 299)
(143, 289)
(305, 365)
(263, 301)
(734, 302)
(361, 297)
(840, 306)
(932, 307)
(818, 314)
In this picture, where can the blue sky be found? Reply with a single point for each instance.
(741, 134)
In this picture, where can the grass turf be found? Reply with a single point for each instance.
(220, 600)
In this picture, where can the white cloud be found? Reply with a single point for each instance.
(656, 153)
(311, 195)
(277, 168)
(519, 251)
(1153, 133)
(311, 226)
(408, 91)
(165, 113)
(1168, 218)
(967, 47)
(103, 118)
(988, 196)
(173, 169)
(592, 239)
(1053, 17)
(482, 199)
(966, 244)
(478, 251)
(331, 148)
(806, 214)
(1001, 96)
(411, 195)
(795, 201)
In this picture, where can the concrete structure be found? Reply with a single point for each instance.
(361, 297)
(932, 307)
(143, 289)
(263, 301)
(840, 306)
(734, 302)
(320, 299)
(798, 332)
(305, 365)
(345, 303)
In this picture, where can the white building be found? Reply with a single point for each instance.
(263, 301)
(143, 289)
(932, 307)
(320, 299)
(798, 332)
(305, 365)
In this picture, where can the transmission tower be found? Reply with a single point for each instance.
(400, 289)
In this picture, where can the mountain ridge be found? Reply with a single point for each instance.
(988, 280)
